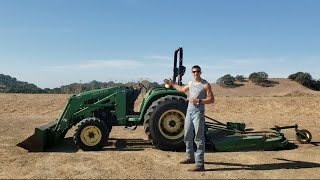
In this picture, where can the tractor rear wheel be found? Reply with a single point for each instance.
(164, 122)
(91, 135)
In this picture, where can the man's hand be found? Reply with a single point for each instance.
(168, 81)
(176, 86)
(194, 101)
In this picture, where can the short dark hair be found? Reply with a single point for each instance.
(196, 67)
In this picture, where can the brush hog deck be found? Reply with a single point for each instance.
(233, 136)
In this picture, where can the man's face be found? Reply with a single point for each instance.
(196, 72)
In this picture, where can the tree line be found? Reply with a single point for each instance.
(10, 84)
(261, 79)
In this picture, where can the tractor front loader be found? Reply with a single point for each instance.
(162, 113)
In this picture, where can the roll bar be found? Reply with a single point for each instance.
(180, 70)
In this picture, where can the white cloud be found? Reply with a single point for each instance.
(158, 57)
(251, 62)
(157, 68)
(97, 64)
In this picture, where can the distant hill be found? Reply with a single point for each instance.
(12, 85)
(281, 87)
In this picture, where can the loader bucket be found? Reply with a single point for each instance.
(40, 140)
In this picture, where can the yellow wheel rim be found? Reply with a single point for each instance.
(171, 124)
(91, 135)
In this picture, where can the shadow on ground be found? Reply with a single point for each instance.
(315, 143)
(288, 164)
(114, 144)
(290, 146)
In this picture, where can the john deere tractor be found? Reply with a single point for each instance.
(162, 113)
(94, 112)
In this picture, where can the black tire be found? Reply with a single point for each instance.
(164, 122)
(91, 135)
(303, 136)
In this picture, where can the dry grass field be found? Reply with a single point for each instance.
(129, 155)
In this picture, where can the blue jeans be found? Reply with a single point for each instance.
(194, 128)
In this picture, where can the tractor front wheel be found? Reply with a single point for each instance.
(164, 122)
(91, 135)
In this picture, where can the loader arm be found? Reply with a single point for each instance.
(82, 105)
(79, 107)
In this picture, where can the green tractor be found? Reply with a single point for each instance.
(162, 113)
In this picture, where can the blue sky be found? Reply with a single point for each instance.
(58, 42)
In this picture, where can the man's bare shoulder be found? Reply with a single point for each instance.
(207, 85)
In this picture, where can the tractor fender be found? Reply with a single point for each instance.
(154, 95)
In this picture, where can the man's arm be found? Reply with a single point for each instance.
(176, 86)
(210, 96)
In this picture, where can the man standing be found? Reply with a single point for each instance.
(200, 93)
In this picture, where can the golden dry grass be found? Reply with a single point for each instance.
(130, 155)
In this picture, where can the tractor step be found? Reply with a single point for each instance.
(133, 118)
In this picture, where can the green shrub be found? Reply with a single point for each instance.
(263, 75)
(306, 80)
(295, 75)
(259, 78)
(253, 76)
(240, 78)
(226, 81)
